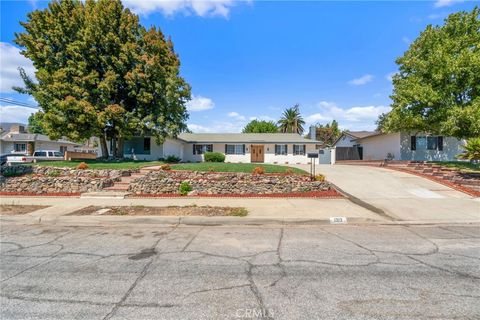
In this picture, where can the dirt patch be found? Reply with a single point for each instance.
(206, 211)
(10, 210)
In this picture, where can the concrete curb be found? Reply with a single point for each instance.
(202, 221)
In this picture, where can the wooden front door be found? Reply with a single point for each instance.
(257, 154)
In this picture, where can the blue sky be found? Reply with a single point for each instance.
(253, 59)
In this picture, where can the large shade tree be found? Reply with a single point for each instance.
(291, 121)
(99, 72)
(437, 88)
(260, 126)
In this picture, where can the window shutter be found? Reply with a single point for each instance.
(440, 143)
(194, 149)
(286, 149)
(413, 143)
(304, 149)
(225, 148)
(243, 149)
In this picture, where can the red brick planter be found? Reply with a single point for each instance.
(32, 194)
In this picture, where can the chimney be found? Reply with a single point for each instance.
(313, 133)
(16, 128)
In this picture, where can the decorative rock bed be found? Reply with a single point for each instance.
(50, 180)
(206, 183)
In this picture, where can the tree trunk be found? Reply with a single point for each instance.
(103, 146)
(120, 148)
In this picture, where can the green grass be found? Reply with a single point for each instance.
(234, 167)
(99, 164)
(463, 166)
(239, 212)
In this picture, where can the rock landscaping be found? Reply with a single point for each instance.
(225, 183)
(206, 211)
(49, 180)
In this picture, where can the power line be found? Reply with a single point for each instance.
(18, 103)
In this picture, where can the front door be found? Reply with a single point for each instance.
(257, 154)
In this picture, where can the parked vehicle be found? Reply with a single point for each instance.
(49, 155)
(16, 158)
(39, 155)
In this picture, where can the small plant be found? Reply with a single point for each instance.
(166, 167)
(214, 157)
(289, 171)
(259, 170)
(11, 173)
(211, 169)
(172, 159)
(185, 188)
(320, 177)
(238, 212)
(82, 166)
(471, 150)
(54, 173)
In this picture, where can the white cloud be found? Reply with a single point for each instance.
(202, 8)
(354, 118)
(236, 115)
(15, 114)
(199, 103)
(362, 80)
(445, 3)
(10, 60)
(389, 76)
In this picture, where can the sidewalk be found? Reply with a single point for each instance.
(261, 211)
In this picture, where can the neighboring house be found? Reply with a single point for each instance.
(397, 146)
(17, 140)
(237, 147)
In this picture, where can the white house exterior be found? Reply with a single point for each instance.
(18, 141)
(404, 146)
(278, 148)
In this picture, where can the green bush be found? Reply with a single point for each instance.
(54, 173)
(214, 157)
(185, 188)
(172, 159)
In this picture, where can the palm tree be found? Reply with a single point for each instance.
(472, 150)
(291, 121)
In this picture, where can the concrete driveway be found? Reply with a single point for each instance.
(401, 195)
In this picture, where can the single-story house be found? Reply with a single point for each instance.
(237, 147)
(18, 140)
(397, 146)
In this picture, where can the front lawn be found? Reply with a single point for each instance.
(235, 167)
(463, 166)
(100, 164)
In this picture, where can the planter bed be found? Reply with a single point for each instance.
(227, 184)
(10, 210)
(207, 211)
(330, 194)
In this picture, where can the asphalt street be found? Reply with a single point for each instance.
(219, 272)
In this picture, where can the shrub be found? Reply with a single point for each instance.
(258, 170)
(166, 167)
(54, 173)
(211, 169)
(289, 171)
(185, 188)
(214, 157)
(472, 150)
(319, 177)
(82, 166)
(172, 159)
(239, 212)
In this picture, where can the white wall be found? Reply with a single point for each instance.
(451, 147)
(377, 147)
(269, 150)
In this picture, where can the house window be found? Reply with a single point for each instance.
(146, 145)
(20, 147)
(299, 149)
(202, 148)
(281, 149)
(63, 149)
(426, 142)
(234, 149)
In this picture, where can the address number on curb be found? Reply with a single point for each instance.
(338, 220)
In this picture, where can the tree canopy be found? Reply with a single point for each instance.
(437, 88)
(328, 133)
(35, 123)
(101, 73)
(291, 121)
(260, 126)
